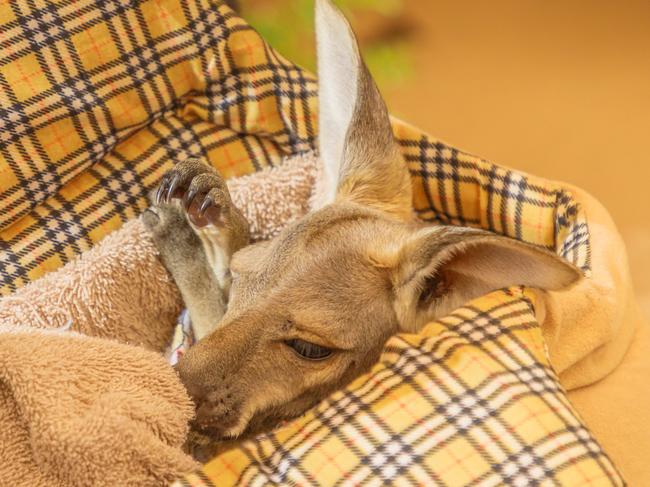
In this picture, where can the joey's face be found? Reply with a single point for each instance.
(308, 312)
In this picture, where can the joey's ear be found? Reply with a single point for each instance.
(362, 162)
(438, 269)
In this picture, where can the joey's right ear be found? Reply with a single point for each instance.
(437, 269)
(361, 159)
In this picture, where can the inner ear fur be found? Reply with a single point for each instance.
(361, 160)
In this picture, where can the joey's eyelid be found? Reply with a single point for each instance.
(332, 347)
(303, 333)
(311, 337)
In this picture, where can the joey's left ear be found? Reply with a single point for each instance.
(438, 269)
(361, 159)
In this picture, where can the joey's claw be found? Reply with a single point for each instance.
(207, 202)
(159, 192)
(173, 184)
(168, 185)
(188, 197)
(176, 181)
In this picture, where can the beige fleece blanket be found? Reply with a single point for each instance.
(86, 397)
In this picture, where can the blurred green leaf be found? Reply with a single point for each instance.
(288, 26)
(389, 63)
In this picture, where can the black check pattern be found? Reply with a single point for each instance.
(510, 203)
(86, 87)
(88, 90)
(416, 420)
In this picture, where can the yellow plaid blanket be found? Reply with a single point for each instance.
(471, 400)
(99, 99)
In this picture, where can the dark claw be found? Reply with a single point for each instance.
(172, 187)
(188, 197)
(205, 205)
(161, 190)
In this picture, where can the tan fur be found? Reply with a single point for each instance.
(346, 276)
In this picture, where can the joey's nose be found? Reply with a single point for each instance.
(211, 368)
(215, 400)
(196, 388)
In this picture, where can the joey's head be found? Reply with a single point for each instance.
(311, 309)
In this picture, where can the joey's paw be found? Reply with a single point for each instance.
(202, 192)
(176, 181)
(159, 219)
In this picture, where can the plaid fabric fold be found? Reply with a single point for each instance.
(99, 99)
(471, 400)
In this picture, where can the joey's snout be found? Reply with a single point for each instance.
(214, 396)
(211, 371)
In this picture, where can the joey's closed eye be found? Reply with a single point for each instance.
(308, 350)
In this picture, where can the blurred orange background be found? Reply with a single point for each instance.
(558, 88)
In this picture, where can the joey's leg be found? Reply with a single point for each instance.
(193, 201)
(183, 255)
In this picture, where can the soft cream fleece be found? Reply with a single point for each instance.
(78, 410)
(85, 396)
